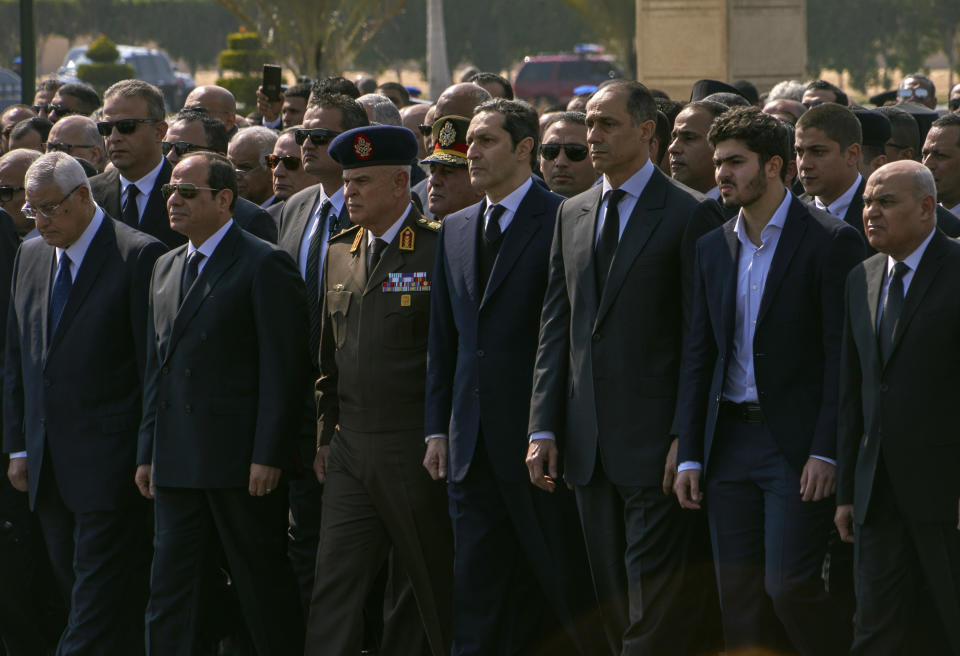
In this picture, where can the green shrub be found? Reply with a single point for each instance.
(243, 61)
(103, 51)
(244, 89)
(243, 41)
(101, 76)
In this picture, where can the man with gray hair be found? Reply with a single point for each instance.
(897, 487)
(74, 361)
(78, 137)
(380, 109)
(248, 151)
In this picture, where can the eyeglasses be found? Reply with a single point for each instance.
(7, 192)
(317, 136)
(42, 108)
(61, 110)
(182, 147)
(915, 93)
(185, 189)
(48, 211)
(425, 130)
(124, 125)
(954, 104)
(243, 169)
(289, 162)
(56, 146)
(574, 152)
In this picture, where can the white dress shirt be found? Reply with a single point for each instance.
(209, 246)
(336, 202)
(144, 186)
(76, 252)
(839, 207)
(510, 204)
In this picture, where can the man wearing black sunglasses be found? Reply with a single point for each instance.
(9, 118)
(917, 88)
(73, 98)
(13, 170)
(566, 168)
(307, 221)
(133, 128)
(287, 170)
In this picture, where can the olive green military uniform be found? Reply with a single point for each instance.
(370, 398)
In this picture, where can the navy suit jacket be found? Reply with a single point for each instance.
(76, 397)
(483, 343)
(796, 347)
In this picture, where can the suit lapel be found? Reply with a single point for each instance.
(156, 210)
(926, 271)
(584, 230)
(854, 214)
(728, 278)
(89, 269)
(46, 275)
(222, 259)
(875, 273)
(111, 196)
(524, 225)
(468, 252)
(793, 230)
(643, 221)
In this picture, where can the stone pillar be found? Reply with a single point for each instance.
(682, 41)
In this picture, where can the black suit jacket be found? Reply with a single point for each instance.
(154, 221)
(225, 370)
(904, 409)
(607, 368)
(486, 339)
(796, 344)
(76, 397)
(948, 222)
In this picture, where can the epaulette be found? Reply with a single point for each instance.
(343, 234)
(429, 224)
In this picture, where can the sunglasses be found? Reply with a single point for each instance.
(61, 110)
(56, 146)
(317, 136)
(425, 130)
(42, 108)
(916, 93)
(185, 189)
(124, 125)
(47, 211)
(182, 147)
(954, 104)
(574, 152)
(289, 162)
(7, 192)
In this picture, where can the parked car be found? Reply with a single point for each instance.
(550, 79)
(149, 65)
(9, 88)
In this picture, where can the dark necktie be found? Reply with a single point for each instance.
(492, 231)
(313, 275)
(190, 273)
(892, 307)
(373, 257)
(609, 238)
(130, 214)
(59, 294)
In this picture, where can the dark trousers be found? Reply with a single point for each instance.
(521, 582)
(101, 561)
(377, 495)
(907, 577)
(768, 546)
(644, 552)
(252, 532)
(306, 497)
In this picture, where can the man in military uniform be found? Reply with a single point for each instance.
(448, 185)
(370, 400)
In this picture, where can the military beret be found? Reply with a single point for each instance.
(449, 141)
(703, 88)
(875, 127)
(374, 145)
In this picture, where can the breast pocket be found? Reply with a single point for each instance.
(338, 307)
(407, 327)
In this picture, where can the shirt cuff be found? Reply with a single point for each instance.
(430, 437)
(18, 454)
(829, 460)
(543, 435)
(689, 464)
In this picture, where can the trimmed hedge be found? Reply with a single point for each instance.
(244, 89)
(101, 76)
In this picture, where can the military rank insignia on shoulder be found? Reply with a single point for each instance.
(429, 224)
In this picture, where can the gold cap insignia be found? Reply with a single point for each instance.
(448, 135)
(362, 147)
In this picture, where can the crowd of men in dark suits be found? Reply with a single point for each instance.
(360, 375)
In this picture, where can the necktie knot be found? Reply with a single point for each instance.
(492, 231)
(614, 196)
(190, 274)
(900, 269)
(376, 249)
(333, 227)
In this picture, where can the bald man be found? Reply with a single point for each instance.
(897, 488)
(217, 102)
(78, 137)
(461, 99)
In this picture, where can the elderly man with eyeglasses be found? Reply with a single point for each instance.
(287, 171)
(72, 402)
(78, 137)
(248, 151)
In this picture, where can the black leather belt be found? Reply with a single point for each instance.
(748, 413)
